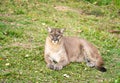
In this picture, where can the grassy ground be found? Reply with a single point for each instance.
(23, 33)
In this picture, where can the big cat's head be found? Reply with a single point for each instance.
(55, 34)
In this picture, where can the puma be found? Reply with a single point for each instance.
(61, 50)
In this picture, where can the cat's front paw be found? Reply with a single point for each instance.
(50, 66)
(58, 67)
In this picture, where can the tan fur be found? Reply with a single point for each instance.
(62, 50)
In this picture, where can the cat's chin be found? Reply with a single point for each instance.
(54, 42)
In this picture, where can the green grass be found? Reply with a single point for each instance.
(23, 33)
(116, 3)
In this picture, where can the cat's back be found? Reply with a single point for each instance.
(71, 40)
(71, 44)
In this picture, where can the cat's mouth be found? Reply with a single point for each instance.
(55, 42)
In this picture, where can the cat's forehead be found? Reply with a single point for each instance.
(55, 30)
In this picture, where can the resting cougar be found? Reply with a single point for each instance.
(61, 50)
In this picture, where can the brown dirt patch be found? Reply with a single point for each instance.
(26, 45)
(23, 45)
(65, 8)
(62, 8)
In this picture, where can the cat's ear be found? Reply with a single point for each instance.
(49, 29)
(62, 30)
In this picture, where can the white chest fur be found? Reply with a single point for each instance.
(55, 53)
(56, 56)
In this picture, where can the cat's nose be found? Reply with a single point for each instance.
(55, 38)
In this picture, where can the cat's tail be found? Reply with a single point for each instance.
(99, 66)
(92, 56)
(102, 69)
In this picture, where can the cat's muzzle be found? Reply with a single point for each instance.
(55, 40)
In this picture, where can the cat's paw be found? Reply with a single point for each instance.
(58, 67)
(50, 66)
